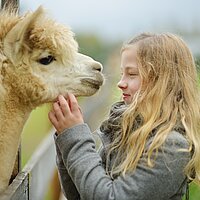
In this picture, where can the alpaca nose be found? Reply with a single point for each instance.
(97, 67)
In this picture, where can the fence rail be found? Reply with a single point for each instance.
(33, 181)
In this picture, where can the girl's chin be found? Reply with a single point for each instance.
(127, 100)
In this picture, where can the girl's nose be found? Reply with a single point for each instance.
(122, 85)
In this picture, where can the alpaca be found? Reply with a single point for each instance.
(39, 60)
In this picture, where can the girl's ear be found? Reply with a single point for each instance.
(15, 38)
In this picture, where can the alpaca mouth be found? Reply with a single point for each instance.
(92, 83)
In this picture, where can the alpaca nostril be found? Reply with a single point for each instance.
(97, 67)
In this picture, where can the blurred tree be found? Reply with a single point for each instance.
(93, 46)
(197, 60)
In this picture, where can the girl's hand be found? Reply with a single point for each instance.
(65, 113)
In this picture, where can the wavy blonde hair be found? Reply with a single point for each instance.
(168, 97)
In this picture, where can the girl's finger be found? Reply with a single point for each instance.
(58, 112)
(53, 118)
(80, 110)
(63, 105)
(73, 103)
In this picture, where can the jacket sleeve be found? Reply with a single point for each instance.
(67, 185)
(86, 170)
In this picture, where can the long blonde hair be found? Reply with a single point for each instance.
(168, 97)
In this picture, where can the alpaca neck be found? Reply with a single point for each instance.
(13, 118)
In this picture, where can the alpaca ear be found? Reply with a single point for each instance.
(15, 38)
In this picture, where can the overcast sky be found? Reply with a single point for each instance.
(119, 19)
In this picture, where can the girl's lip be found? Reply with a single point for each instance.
(126, 95)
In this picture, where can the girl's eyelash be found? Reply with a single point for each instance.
(133, 74)
(130, 74)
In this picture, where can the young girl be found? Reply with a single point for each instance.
(151, 141)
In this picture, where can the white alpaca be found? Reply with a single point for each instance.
(39, 60)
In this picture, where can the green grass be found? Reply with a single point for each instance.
(194, 192)
(36, 128)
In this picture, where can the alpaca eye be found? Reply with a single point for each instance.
(46, 60)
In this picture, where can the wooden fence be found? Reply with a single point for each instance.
(33, 181)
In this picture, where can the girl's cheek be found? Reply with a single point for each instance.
(138, 83)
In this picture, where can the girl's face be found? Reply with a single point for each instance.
(130, 79)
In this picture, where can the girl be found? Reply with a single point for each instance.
(151, 141)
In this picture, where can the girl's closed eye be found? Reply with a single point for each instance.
(132, 75)
(132, 71)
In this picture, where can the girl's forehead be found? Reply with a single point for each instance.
(130, 47)
(129, 54)
(129, 68)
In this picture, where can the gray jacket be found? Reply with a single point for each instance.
(83, 176)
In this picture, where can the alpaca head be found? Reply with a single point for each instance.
(39, 59)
